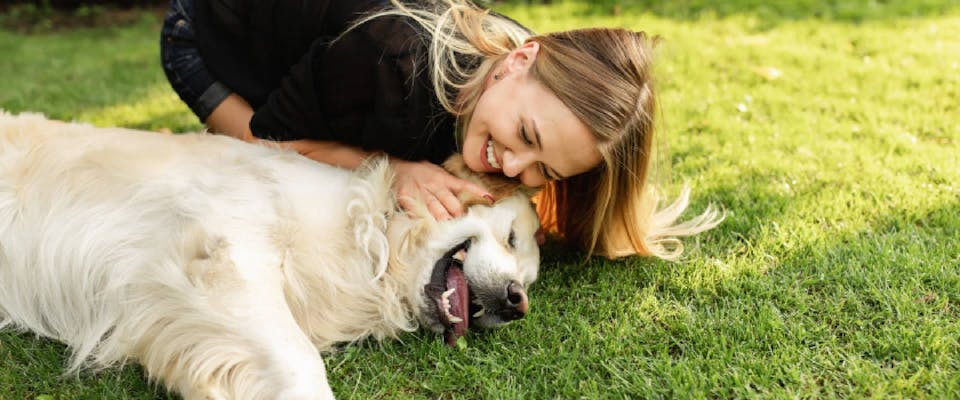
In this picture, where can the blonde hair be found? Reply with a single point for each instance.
(604, 77)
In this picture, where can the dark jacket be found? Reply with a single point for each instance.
(370, 89)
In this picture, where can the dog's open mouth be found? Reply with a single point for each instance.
(450, 292)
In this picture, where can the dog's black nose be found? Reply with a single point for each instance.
(515, 304)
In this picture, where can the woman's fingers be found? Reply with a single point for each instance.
(436, 188)
(409, 195)
(458, 185)
(449, 201)
(437, 208)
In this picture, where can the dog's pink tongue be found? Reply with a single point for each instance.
(459, 305)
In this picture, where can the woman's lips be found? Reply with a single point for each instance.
(483, 157)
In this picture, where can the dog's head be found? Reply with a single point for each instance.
(471, 271)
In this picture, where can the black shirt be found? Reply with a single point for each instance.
(369, 89)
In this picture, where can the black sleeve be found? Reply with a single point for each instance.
(329, 81)
(292, 110)
(221, 30)
(369, 89)
(250, 45)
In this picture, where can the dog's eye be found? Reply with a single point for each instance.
(512, 240)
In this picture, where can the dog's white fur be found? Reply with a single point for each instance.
(222, 267)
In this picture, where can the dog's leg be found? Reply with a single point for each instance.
(227, 330)
(291, 362)
(289, 365)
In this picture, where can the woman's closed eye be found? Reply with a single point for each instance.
(523, 136)
(541, 167)
(546, 172)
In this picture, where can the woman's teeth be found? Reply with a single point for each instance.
(491, 157)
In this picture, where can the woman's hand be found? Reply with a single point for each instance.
(433, 185)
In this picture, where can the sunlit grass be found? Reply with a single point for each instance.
(103, 76)
(829, 131)
(159, 108)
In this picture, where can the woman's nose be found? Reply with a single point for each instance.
(514, 163)
(522, 165)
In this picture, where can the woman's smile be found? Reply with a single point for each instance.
(490, 157)
(522, 130)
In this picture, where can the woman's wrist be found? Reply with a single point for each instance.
(232, 118)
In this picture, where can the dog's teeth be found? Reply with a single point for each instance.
(460, 256)
(452, 318)
(446, 295)
(445, 306)
(480, 313)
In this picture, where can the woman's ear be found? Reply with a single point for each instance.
(522, 58)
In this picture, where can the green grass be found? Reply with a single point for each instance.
(835, 275)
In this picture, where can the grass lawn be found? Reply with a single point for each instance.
(829, 131)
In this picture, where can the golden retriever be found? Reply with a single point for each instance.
(225, 268)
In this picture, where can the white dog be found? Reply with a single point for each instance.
(223, 267)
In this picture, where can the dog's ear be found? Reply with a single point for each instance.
(499, 186)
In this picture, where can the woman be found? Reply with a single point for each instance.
(338, 80)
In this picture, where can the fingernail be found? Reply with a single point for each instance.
(489, 197)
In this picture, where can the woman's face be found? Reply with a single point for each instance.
(522, 130)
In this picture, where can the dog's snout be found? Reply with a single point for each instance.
(515, 295)
(516, 302)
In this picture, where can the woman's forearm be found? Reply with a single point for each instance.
(232, 118)
(328, 152)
